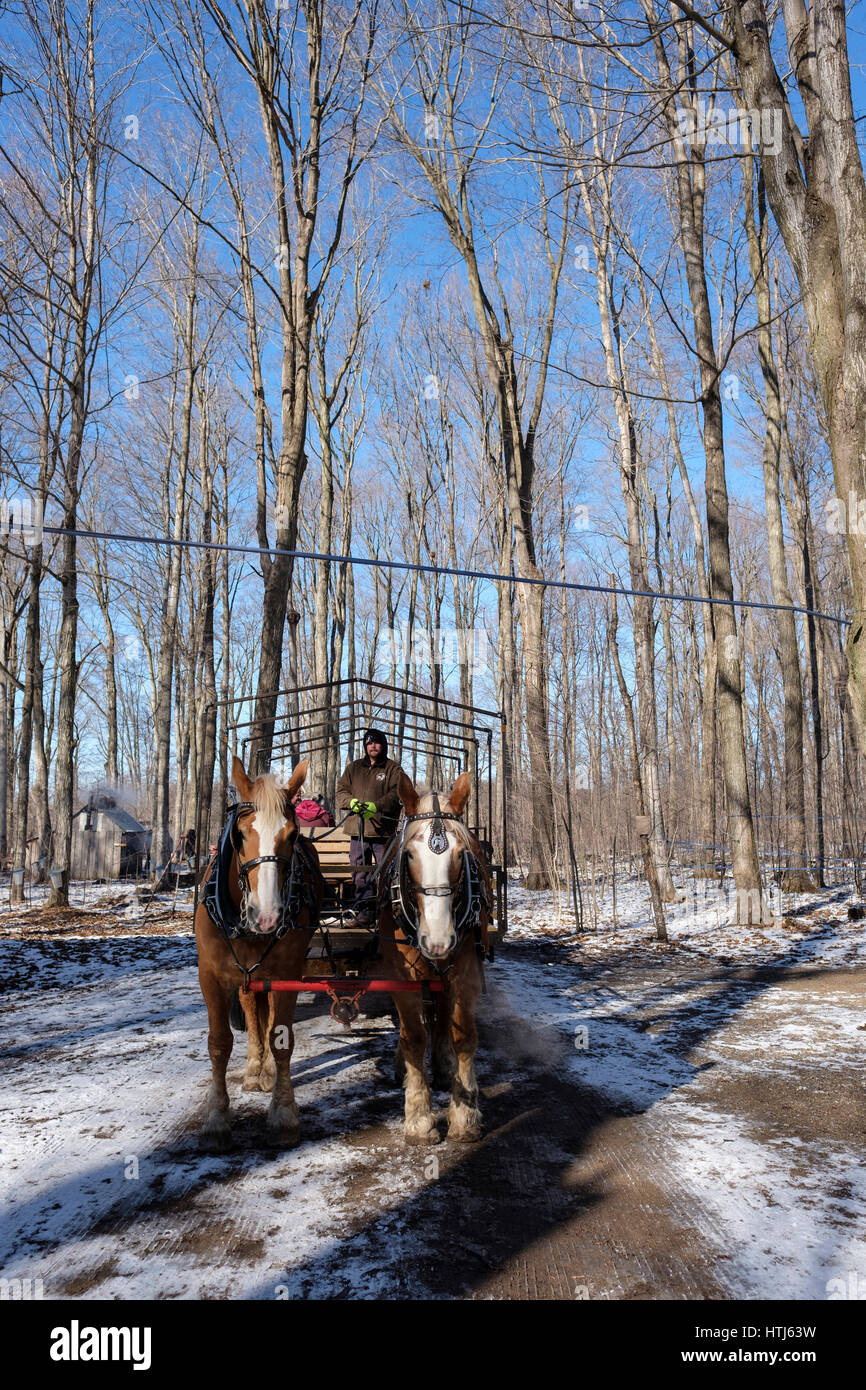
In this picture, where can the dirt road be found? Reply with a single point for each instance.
(657, 1126)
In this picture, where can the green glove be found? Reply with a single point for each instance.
(369, 810)
(356, 805)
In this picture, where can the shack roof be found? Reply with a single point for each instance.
(122, 819)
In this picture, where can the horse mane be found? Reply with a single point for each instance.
(269, 797)
(425, 803)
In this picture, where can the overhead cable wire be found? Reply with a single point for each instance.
(409, 566)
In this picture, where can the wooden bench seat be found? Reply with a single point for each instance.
(332, 847)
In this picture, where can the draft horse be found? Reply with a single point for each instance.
(262, 896)
(433, 915)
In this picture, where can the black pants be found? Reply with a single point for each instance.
(360, 857)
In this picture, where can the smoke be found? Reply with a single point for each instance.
(126, 798)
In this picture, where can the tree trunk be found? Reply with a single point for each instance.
(631, 470)
(637, 780)
(690, 189)
(797, 878)
(818, 197)
(32, 671)
(171, 599)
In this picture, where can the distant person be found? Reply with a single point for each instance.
(368, 789)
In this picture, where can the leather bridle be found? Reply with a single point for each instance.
(469, 888)
(290, 894)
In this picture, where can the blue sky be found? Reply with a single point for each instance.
(419, 250)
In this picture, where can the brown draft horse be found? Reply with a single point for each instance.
(428, 944)
(266, 833)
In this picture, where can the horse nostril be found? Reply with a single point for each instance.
(437, 948)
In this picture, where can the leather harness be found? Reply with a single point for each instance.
(470, 888)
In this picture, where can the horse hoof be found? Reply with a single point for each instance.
(466, 1129)
(265, 1082)
(283, 1128)
(422, 1136)
(465, 1134)
(250, 1081)
(215, 1139)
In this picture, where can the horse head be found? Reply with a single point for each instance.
(264, 838)
(431, 861)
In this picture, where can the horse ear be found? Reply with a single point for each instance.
(240, 779)
(460, 794)
(408, 795)
(297, 779)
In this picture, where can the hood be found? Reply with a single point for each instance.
(379, 737)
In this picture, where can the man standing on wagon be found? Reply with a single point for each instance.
(368, 788)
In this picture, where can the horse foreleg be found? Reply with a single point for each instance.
(283, 1124)
(267, 1014)
(216, 1131)
(418, 1127)
(256, 1040)
(464, 1116)
(443, 1062)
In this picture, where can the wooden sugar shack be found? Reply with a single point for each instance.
(107, 842)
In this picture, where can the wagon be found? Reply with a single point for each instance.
(432, 737)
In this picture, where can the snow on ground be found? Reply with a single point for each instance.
(700, 921)
(105, 1072)
(105, 1083)
(97, 909)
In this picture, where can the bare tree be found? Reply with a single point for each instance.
(310, 78)
(63, 155)
(797, 879)
(690, 195)
(440, 70)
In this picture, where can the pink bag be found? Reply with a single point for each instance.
(311, 813)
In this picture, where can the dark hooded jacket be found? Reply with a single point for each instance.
(376, 782)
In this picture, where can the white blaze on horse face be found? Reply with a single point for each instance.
(436, 935)
(266, 898)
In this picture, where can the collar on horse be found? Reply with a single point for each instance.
(296, 892)
(469, 890)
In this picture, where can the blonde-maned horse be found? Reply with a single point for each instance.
(257, 866)
(434, 910)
